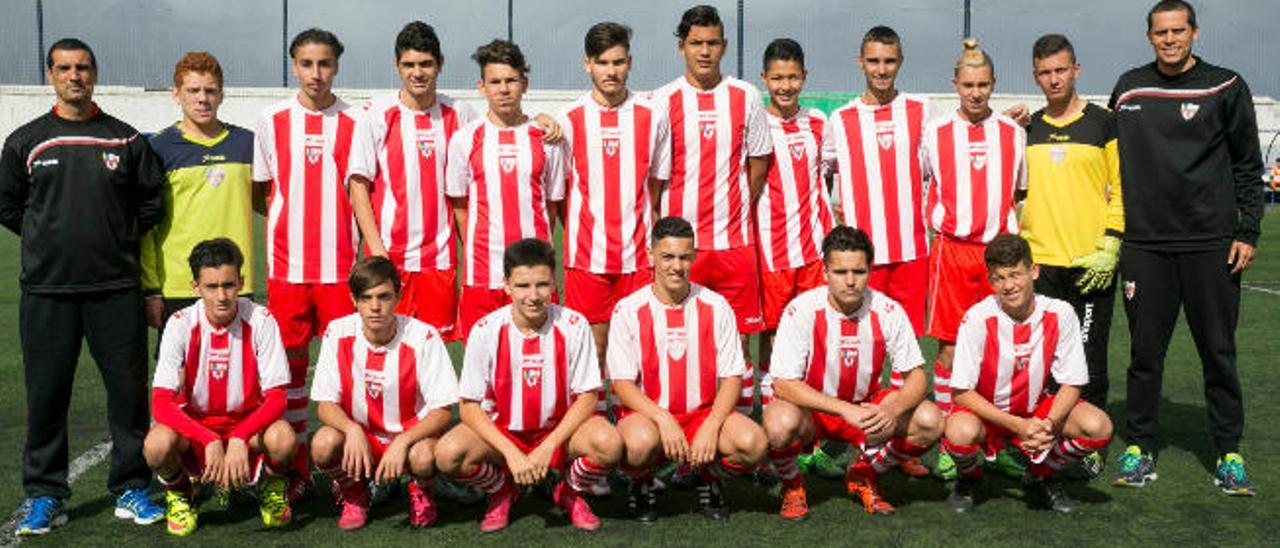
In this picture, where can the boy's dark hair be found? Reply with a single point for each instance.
(1051, 44)
(501, 52)
(528, 252)
(214, 253)
(316, 36)
(605, 35)
(670, 227)
(1007, 250)
(847, 238)
(881, 34)
(783, 49)
(419, 36)
(1173, 5)
(371, 272)
(70, 44)
(699, 16)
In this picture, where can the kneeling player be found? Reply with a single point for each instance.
(383, 389)
(831, 345)
(529, 386)
(1008, 347)
(669, 346)
(219, 395)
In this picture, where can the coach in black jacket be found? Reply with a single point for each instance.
(1192, 171)
(80, 187)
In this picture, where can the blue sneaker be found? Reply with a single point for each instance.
(1231, 478)
(1137, 469)
(40, 515)
(134, 504)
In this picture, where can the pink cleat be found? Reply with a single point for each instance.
(422, 510)
(355, 507)
(498, 515)
(574, 506)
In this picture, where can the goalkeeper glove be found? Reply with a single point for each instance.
(1099, 266)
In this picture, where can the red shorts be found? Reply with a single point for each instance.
(833, 427)
(906, 282)
(477, 302)
(689, 422)
(431, 296)
(529, 440)
(998, 437)
(957, 281)
(193, 459)
(780, 286)
(594, 295)
(735, 275)
(304, 310)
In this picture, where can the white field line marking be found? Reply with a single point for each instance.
(1260, 289)
(80, 465)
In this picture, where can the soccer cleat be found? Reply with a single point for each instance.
(1051, 494)
(498, 514)
(575, 506)
(795, 503)
(1231, 478)
(382, 493)
(179, 514)
(1089, 467)
(945, 468)
(462, 494)
(1136, 469)
(354, 502)
(711, 500)
(913, 469)
(298, 488)
(821, 464)
(273, 502)
(422, 510)
(642, 502)
(683, 477)
(135, 505)
(962, 497)
(1006, 464)
(866, 489)
(40, 515)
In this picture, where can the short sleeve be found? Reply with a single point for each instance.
(729, 360)
(967, 363)
(622, 356)
(758, 141)
(437, 383)
(457, 178)
(553, 171)
(365, 142)
(477, 363)
(1069, 367)
(793, 345)
(901, 346)
(173, 354)
(583, 362)
(660, 157)
(264, 160)
(273, 366)
(325, 384)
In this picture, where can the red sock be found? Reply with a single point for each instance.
(967, 458)
(486, 477)
(897, 451)
(584, 473)
(942, 387)
(784, 461)
(1065, 452)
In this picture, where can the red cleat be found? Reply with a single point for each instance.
(574, 506)
(355, 507)
(795, 503)
(422, 510)
(913, 469)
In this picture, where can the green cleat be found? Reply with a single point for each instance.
(820, 464)
(1136, 469)
(179, 514)
(1006, 464)
(273, 504)
(1089, 467)
(945, 468)
(1231, 478)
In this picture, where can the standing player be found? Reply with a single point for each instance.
(302, 150)
(219, 395)
(1073, 217)
(973, 158)
(208, 165)
(529, 387)
(719, 159)
(677, 369)
(504, 180)
(397, 173)
(384, 389)
(1012, 347)
(619, 156)
(1192, 170)
(79, 187)
(826, 373)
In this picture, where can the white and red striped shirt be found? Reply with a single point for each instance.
(311, 233)
(613, 153)
(675, 354)
(527, 382)
(712, 134)
(221, 371)
(387, 389)
(507, 175)
(794, 212)
(403, 151)
(974, 170)
(842, 356)
(1009, 362)
(880, 189)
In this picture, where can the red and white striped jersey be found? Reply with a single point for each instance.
(613, 153)
(221, 371)
(973, 171)
(311, 233)
(1009, 362)
(675, 354)
(712, 135)
(507, 175)
(403, 151)
(794, 212)
(880, 188)
(387, 388)
(527, 382)
(842, 356)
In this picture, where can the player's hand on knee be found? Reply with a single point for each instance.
(674, 444)
(703, 449)
(356, 457)
(393, 462)
(236, 464)
(213, 467)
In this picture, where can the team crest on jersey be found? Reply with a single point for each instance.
(797, 150)
(884, 134)
(1058, 153)
(848, 351)
(214, 176)
(1189, 110)
(314, 146)
(1130, 289)
(610, 147)
(373, 384)
(978, 155)
(111, 160)
(507, 163)
(676, 342)
(1021, 361)
(219, 361)
(531, 370)
(707, 128)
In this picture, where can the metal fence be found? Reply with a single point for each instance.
(137, 41)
